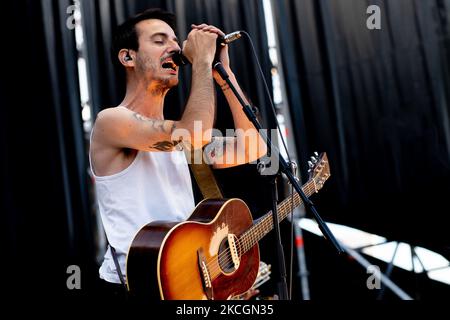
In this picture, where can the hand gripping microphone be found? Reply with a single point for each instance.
(180, 60)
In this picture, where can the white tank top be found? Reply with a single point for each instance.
(156, 186)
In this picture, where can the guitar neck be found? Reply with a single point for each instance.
(265, 224)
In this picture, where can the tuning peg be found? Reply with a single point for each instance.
(316, 154)
(310, 164)
(314, 160)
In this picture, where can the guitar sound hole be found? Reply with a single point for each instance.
(224, 257)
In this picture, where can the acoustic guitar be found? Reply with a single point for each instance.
(214, 254)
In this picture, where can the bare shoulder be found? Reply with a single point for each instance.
(110, 116)
(110, 120)
(104, 124)
(107, 156)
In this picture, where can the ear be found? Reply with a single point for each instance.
(126, 57)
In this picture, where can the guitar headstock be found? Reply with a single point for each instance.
(319, 170)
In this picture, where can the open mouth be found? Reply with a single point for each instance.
(169, 64)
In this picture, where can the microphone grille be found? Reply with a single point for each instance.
(232, 36)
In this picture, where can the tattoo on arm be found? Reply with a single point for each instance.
(225, 87)
(165, 145)
(159, 125)
(156, 124)
(217, 147)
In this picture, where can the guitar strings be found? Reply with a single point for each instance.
(243, 241)
(266, 222)
(215, 268)
(243, 245)
(225, 256)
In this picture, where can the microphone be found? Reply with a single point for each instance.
(180, 60)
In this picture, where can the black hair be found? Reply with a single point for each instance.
(125, 35)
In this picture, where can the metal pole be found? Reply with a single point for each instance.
(302, 269)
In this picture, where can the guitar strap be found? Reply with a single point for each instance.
(116, 263)
(202, 173)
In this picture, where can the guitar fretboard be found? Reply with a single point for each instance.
(265, 224)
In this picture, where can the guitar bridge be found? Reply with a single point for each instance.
(204, 272)
(234, 251)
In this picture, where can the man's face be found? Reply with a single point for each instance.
(157, 43)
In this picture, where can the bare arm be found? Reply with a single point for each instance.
(247, 146)
(123, 128)
(244, 127)
(197, 121)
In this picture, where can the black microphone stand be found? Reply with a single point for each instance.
(284, 167)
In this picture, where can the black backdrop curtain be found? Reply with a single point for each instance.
(44, 201)
(377, 102)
